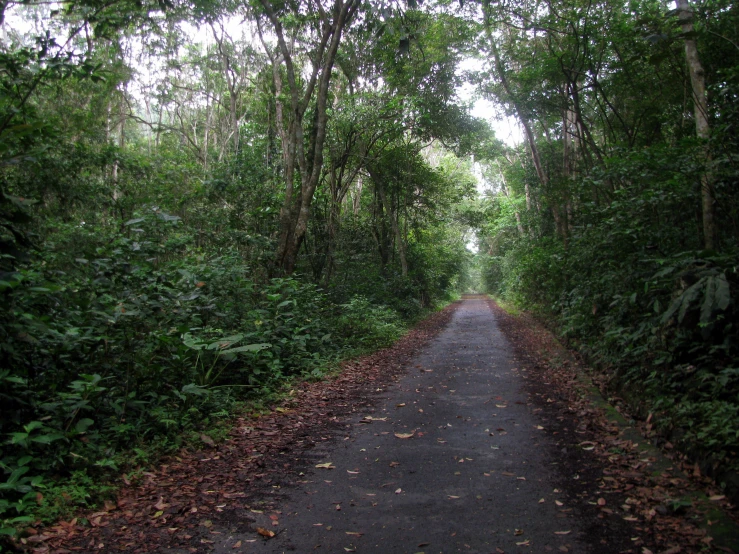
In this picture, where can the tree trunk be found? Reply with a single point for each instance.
(295, 211)
(392, 212)
(519, 225)
(702, 126)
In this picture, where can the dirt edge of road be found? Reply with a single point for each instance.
(191, 498)
(671, 507)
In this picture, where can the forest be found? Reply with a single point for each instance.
(203, 201)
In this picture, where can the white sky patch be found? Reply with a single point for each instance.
(506, 128)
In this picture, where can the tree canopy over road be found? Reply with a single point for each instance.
(200, 201)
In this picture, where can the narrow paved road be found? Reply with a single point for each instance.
(477, 474)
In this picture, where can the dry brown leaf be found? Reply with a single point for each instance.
(562, 532)
(327, 465)
(405, 435)
(265, 532)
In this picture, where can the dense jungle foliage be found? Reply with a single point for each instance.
(616, 218)
(202, 201)
(153, 193)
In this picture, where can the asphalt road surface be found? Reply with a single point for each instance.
(452, 459)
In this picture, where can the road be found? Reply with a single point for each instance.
(452, 459)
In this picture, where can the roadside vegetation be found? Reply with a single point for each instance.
(616, 218)
(202, 202)
(181, 237)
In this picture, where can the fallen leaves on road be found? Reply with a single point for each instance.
(265, 532)
(225, 481)
(405, 435)
(604, 457)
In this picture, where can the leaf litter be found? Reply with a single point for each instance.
(232, 483)
(611, 471)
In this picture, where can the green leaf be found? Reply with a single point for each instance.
(723, 293)
(682, 302)
(688, 297)
(83, 424)
(197, 390)
(225, 342)
(48, 438)
(33, 426)
(16, 475)
(708, 300)
(192, 342)
(17, 438)
(248, 348)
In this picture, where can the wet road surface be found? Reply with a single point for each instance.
(452, 459)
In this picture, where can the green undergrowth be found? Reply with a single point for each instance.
(508, 307)
(667, 337)
(47, 497)
(131, 348)
(633, 292)
(717, 523)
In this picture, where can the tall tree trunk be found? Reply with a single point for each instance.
(517, 214)
(535, 158)
(702, 126)
(392, 212)
(295, 211)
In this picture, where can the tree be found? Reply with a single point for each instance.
(302, 140)
(700, 113)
